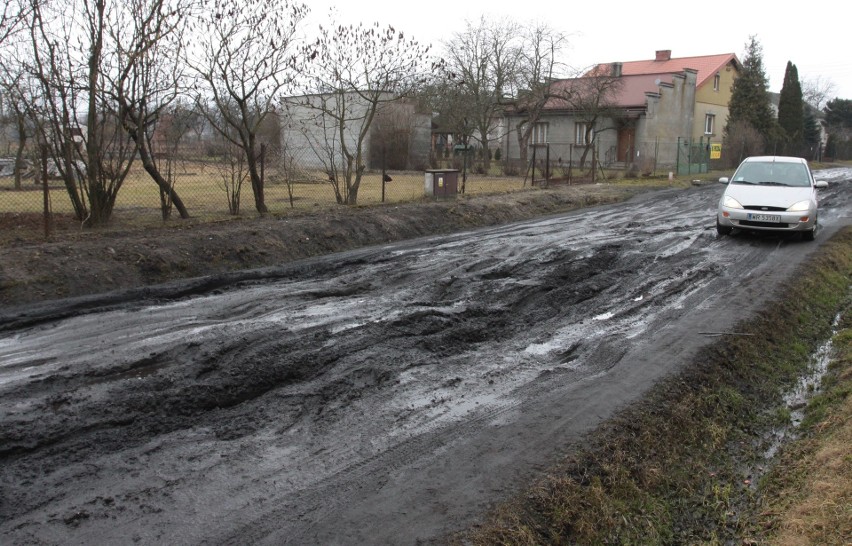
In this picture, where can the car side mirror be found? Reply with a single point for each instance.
(724, 180)
(820, 184)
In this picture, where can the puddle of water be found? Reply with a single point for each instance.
(796, 400)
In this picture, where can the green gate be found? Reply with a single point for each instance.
(693, 156)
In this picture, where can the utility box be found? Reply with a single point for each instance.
(441, 183)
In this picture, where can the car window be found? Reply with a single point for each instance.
(772, 174)
(794, 174)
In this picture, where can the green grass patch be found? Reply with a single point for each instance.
(678, 466)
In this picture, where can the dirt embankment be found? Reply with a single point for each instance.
(77, 263)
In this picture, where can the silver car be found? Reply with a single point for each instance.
(770, 193)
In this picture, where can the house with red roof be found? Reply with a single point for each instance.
(642, 113)
(715, 77)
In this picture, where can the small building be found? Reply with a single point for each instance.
(397, 137)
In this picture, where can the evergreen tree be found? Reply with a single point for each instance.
(750, 105)
(838, 117)
(838, 114)
(791, 113)
(812, 136)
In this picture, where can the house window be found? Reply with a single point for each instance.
(717, 80)
(539, 135)
(709, 124)
(583, 133)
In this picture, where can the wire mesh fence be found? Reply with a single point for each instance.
(219, 186)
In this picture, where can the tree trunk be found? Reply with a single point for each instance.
(19, 157)
(522, 143)
(99, 208)
(352, 194)
(133, 129)
(486, 152)
(254, 175)
(152, 170)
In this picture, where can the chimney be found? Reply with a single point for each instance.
(664, 55)
(615, 70)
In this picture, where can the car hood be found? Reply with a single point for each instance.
(768, 196)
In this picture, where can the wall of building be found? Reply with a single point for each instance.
(669, 116)
(313, 138)
(711, 101)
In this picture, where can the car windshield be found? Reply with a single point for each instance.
(772, 174)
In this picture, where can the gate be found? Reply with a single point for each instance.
(693, 156)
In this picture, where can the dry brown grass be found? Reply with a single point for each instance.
(200, 186)
(814, 502)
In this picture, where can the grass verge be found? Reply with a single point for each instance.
(685, 464)
(807, 497)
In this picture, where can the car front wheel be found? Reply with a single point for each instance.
(722, 230)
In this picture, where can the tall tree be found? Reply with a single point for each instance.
(71, 54)
(245, 57)
(791, 114)
(354, 72)
(838, 118)
(481, 63)
(750, 105)
(540, 63)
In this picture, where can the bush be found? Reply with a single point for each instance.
(497, 154)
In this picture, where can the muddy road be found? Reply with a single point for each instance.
(386, 395)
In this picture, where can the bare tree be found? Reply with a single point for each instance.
(15, 85)
(817, 91)
(539, 65)
(148, 38)
(481, 65)
(233, 172)
(355, 71)
(591, 98)
(12, 18)
(170, 129)
(245, 56)
(76, 116)
(741, 141)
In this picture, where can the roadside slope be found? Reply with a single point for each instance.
(78, 263)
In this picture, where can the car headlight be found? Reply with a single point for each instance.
(800, 206)
(732, 203)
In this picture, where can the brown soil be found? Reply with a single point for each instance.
(74, 262)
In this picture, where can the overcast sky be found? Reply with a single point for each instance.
(818, 44)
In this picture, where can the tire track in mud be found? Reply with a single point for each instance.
(357, 367)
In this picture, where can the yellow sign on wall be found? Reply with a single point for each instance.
(715, 151)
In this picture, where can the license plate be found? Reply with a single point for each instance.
(771, 218)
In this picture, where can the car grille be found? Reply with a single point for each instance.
(749, 223)
(762, 207)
